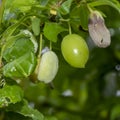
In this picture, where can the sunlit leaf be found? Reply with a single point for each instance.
(10, 30)
(44, 2)
(10, 94)
(32, 38)
(65, 7)
(36, 25)
(17, 46)
(20, 67)
(113, 3)
(23, 2)
(24, 109)
(51, 30)
(23, 5)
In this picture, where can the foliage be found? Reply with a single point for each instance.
(26, 28)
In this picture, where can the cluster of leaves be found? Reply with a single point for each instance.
(76, 90)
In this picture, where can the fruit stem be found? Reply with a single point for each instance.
(50, 45)
(70, 32)
(89, 8)
(40, 45)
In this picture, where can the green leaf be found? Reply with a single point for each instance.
(18, 45)
(51, 30)
(24, 109)
(2, 7)
(115, 112)
(84, 15)
(9, 43)
(113, 3)
(44, 2)
(10, 30)
(20, 67)
(110, 14)
(36, 25)
(79, 16)
(75, 18)
(10, 94)
(23, 5)
(32, 38)
(23, 2)
(65, 7)
(75, 13)
(18, 52)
